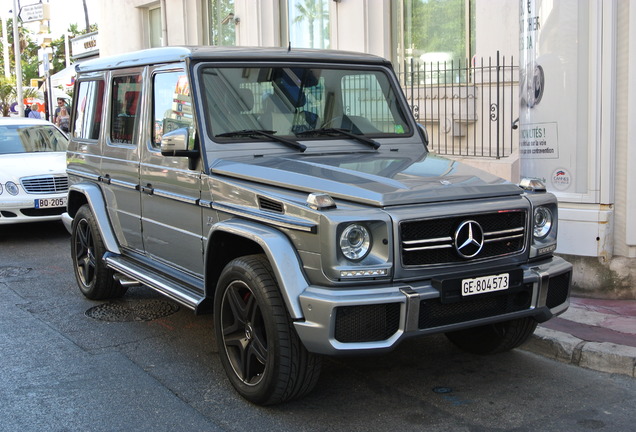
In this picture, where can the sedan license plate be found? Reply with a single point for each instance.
(485, 284)
(50, 202)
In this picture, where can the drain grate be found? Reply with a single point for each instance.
(130, 311)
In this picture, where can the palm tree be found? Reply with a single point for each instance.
(311, 11)
(88, 27)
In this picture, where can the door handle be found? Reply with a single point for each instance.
(148, 189)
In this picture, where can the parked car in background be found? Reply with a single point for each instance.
(33, 181)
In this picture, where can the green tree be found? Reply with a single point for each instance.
(312, 11)
(8, 93)
(438, 26)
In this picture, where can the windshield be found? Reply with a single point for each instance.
(31, 139)
(300, 102)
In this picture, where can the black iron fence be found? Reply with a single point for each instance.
(469, 109)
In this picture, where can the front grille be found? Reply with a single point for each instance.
(431, 241)
(367, 323)
(558, 290)
(434, 313)
(45, 184)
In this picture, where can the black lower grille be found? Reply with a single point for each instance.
(435, 314)
(367, 323)
(558, 290)
(33, 212)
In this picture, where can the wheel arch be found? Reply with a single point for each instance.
(86, 193)
(235, 237)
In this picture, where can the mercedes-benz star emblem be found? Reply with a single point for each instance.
(469, 239)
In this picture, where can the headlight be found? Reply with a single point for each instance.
(0, 188)
(355, 242)
(543, 220)
(12, 188)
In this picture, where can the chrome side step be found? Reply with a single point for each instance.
(166, 286)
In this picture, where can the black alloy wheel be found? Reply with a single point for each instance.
(95, 280)
(258, 346)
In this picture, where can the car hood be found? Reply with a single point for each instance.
(17, 165)
(379, 179)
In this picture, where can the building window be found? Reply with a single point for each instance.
(432, 31)
(308, 23)
(222, 23)
(154, 26)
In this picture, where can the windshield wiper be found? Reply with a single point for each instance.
(338, 131)
(266, 133)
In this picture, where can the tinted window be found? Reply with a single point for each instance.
(31, 139)
(88, 109)
(172, 105)
(294, 100)
(124, 110)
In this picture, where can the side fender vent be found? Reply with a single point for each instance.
(270, 205)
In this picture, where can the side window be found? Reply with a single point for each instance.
(124, 110)
(88, 110)
(172, 105)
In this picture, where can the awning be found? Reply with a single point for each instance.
(64, 78)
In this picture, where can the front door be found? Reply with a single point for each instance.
(171, 215)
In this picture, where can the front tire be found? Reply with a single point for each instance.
(494, 338)
(95, 280)
(260, 351)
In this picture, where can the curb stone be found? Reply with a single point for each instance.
(603, 357)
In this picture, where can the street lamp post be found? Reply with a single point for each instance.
(18, 60)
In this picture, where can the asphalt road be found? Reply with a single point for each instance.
(61, 370)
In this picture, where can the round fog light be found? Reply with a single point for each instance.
(355, 242)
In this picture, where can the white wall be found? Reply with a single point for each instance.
(362, 25)
(497, 28)
(120, 27)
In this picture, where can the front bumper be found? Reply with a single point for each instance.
(340, 321)
(21, 209)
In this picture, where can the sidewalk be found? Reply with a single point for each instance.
(595, 334)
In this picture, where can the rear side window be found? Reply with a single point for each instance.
(88, 110)
(124, 111)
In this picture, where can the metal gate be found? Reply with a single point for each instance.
(469, 109)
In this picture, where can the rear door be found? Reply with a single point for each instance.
(120, 161)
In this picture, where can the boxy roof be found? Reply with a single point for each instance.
(175, 54)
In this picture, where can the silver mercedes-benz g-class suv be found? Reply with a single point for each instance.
(292, 194)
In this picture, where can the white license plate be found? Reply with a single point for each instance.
(50, 202)
(485, 284)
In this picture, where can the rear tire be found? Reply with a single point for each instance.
(494, 338)
(258, 346)
(95, 280)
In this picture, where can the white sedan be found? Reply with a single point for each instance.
(33, 181)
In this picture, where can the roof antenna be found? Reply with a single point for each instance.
(289, 47)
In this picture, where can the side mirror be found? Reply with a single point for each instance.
(423, 134)
(177, 143)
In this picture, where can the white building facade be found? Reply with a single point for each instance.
(591, 122)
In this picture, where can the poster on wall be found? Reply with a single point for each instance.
(553, 95)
